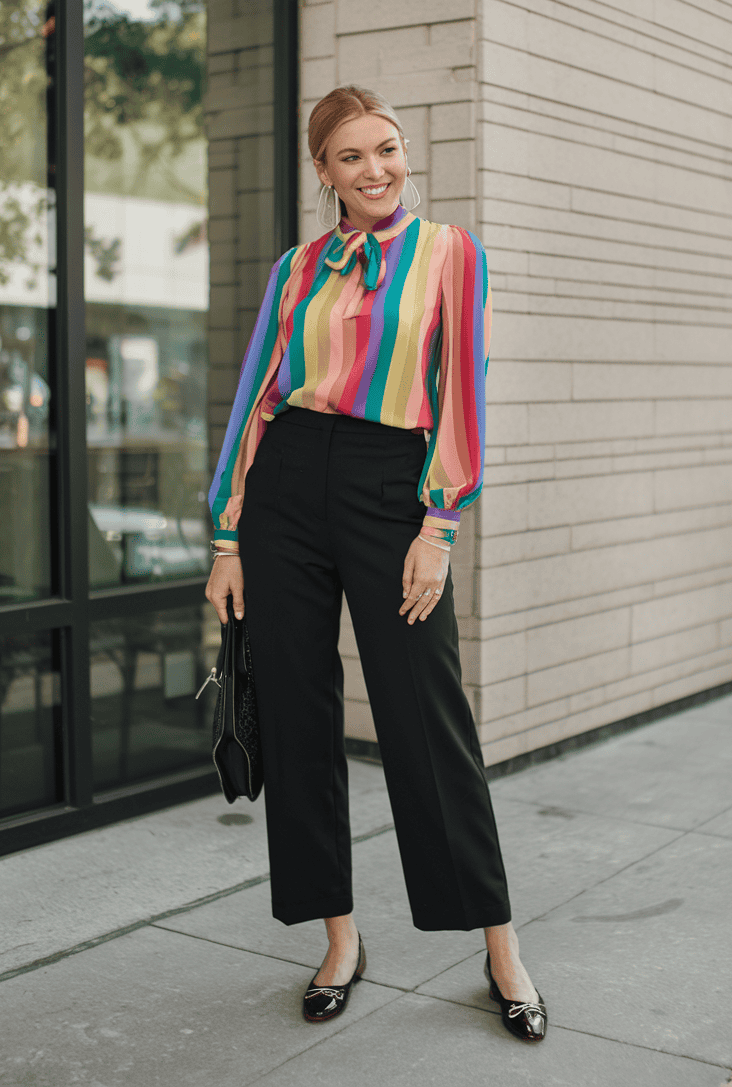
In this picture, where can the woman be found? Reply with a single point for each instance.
(358, 428)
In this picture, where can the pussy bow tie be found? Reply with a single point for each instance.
(345, 257)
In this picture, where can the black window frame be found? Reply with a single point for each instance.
(73, 607)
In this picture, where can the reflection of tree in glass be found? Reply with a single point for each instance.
(143, 93)
(106, 254)
(23, 85)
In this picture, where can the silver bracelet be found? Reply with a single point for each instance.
(233, 554)
(432, 543)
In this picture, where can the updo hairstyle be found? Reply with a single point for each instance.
(345, 104)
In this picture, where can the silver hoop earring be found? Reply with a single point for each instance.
(410, 197)
(329, 210)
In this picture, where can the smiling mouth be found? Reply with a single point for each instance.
(375, 190)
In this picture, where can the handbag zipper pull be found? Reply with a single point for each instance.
(207, 680)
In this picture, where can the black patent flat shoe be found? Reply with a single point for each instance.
(322, 1002)
(524, 1020)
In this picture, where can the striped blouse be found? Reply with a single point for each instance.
(391, 326)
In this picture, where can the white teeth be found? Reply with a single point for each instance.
(375, 192)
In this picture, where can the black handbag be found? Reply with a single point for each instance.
(237, 750)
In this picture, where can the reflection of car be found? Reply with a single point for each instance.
(146, 543)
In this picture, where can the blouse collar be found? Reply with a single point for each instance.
(346, 226)
(347, 240)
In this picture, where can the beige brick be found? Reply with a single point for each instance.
(584, 466)
(519, 546)
(453, 170)
(318, 77)
(494, 455)
(347, 646)
(575, 639)
(555, 731)
(496, 475)
(454, 212)
(452, 121)
(679, 646)
(364, 58)
(716, 574)
(646, 681)
(653, 618)
(571, 501)
(686, 487)
(523, 720)
(594, 604)
(566, 679)
(700, 681)
(354, 685)
(470, 661)
(221, 191)
(504, 510)
(222, 385)
(522, 454)
(582, 422)
(229, 123)
(562, 577)
(255, 163)
(359, 722)
(499, 699)
(223, 347)
(464, 590)
(628, 529)
(415, 122)
(528, 382)
(503, 658)
(317, 31)
(575, 450)
(506, 424)
(585, 700)
(640, 381)
(725, 632)
(379, 14)
(693, 416)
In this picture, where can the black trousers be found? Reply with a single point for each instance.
(331, 506)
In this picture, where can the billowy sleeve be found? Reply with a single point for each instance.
(453, 474)
(225, 496)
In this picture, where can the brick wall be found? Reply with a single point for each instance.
(605, 533)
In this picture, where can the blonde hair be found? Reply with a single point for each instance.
(343, 104)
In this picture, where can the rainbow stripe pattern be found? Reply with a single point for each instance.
(391, 326)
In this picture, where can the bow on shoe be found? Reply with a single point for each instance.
(530, 1009)
(345, 260)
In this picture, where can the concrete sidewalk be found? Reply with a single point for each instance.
(145, 955)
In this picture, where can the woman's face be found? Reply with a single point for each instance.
(366, 164)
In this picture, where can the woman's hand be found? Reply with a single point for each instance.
(226, 579)
(423, 581)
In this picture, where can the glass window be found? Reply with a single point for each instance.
(145, 672)
(30, 775)
(26, 292)
(146, 269)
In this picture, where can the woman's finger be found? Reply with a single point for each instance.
(434, 601)
(423, 601)
(413, 596)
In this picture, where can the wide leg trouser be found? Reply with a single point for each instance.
(331, 506)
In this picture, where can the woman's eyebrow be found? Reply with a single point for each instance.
(358, 149)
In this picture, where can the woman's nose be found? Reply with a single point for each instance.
(374, 170)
